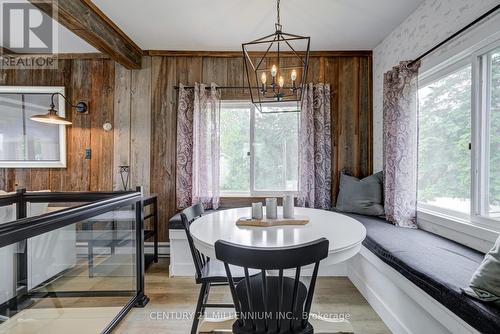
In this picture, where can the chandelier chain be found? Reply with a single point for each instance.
(278, 11)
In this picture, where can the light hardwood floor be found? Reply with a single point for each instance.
(170, 297)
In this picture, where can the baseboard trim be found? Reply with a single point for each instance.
(337, 270)
(163, 248)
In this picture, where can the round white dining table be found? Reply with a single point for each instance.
(344, 233)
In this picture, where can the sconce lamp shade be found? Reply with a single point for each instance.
(51, 117)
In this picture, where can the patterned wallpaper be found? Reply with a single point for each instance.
(432, 22)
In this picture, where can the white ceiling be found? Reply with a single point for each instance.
(66, 42)
(225, 24)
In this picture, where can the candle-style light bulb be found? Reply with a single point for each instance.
(281, 81)
(274, 71)
(293, 76)
(263, 78)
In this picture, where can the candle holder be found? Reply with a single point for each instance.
(271, 208)
(124, 175)
(278, 89)
(257, 211)
(288, 207)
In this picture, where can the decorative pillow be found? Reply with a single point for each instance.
(364, 196)
(485, 283)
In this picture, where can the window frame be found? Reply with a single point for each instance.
(61, 110)
(244, 104)
(481, 136)
(428, 78)
(480, 113)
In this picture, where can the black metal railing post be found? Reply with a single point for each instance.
(142, 299)
(155, 227)
(22, 253)
(21, 209)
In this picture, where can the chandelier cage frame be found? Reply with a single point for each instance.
(254, 69)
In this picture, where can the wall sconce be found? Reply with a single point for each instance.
(53, 118)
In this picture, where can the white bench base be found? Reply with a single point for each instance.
(404, 307)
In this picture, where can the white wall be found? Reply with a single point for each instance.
(432, 22)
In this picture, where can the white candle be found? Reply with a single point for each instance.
(293, 76)
(281, 82)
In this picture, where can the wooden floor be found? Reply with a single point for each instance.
(170, 297)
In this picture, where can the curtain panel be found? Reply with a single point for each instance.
(400, 144)
(198, 147)
(315, 148)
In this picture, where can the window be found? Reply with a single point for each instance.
(459, 138)
(444, 169)
(26, 143)
(259, 151)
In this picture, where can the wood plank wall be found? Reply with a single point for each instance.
(142, 106)
(90, 80)
(350, 79)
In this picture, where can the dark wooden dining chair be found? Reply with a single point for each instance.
(208, 272)
(272, 304)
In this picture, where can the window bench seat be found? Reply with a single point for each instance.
(175, 223)
(412, 278)
(438, 266)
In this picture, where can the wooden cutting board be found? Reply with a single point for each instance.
(272, 222)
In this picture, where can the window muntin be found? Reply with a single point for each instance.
(493, 138)
(444, 168)
(259, 152)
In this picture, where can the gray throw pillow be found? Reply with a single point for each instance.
(485, 283)
(364, 196)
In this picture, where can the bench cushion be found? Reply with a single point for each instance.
(435, 264)
(175, 223)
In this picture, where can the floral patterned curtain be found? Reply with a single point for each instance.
(198, 147)
(315, 148)
(400, 144)
(184, 178)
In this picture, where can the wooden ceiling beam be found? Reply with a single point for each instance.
(87, 21)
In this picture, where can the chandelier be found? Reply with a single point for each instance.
(276, 71)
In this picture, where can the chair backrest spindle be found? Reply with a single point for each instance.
(264, 298)
(310, 293)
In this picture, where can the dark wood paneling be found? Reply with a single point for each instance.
(101, 142)
(91, 80)
(163, 130)
(349, 75)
